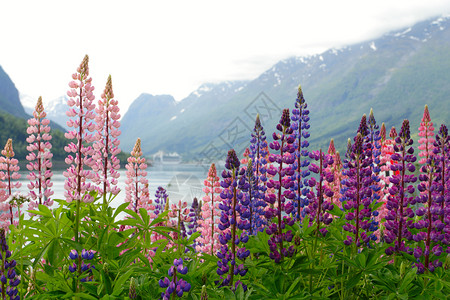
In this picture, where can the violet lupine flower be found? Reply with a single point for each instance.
(8, 277)
(429, 224)
(234, 217)
(441, 152)
(195, 215)
(81, 108)
(300, 126)
(175, 285)
(86, 268)
(257, 181)
(107, 142)
(358, 197)
(136, 183)
(161, 198)
(39, 158)
(319, 205)
(399, 215)
(426, 139)
(281, 199)
(9, 173)
(210, 213)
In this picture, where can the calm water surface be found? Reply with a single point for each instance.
(182, 182)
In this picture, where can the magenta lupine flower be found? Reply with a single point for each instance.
(106, 143)
(81, 108)
(233, 219)
(9, 173)
(358, 197)
(300, 125)
(426, 139)
(136, 183)
(319, 203)
(210, 214)
(281, 198)
(175, 286)
(39, 158)
(399, 215)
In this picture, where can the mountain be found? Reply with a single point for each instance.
(396, 75)
(55, 109)
(9, 96)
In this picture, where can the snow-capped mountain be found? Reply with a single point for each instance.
(55, 108)
(396, 75)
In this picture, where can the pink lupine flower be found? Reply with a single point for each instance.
(136, 183)
(335, 169)
(426, 139)
(181, 214)
(210, 214)
(9, 173)
(106, 142)
(39, 158)
(78, 178)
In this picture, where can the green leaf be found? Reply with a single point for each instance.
(239, 294)
(119, 283)
(229, 295)
(353, 281)
(120, 209)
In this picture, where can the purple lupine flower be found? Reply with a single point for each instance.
(429, 224)
(282, 195)
(195, 215)
(175, 285)
(319, 205)
(257, 180)
(86, 268)
(358, 195)
(234, 216)
(399, 215)
(161, 197)
(300, 126)
(8, 277)
(442, 152)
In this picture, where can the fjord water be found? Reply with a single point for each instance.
(182, 182)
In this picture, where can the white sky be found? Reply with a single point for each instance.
(171, 47)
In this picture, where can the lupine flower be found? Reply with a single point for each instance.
(8, 276)
(210, 213)
(319, 206)
(426, 139)
(132, 290)
(106, 143)
(81, 108)
(300, 125)
(358, 197)
(195, 216)
(9, 173)
(86, 268)
(372, 144)
(253, 194)
(336, 169)
(258, 154)
(175, 285)
(429, 225)
(136, 183)
(399, 216)
(281, 199)
(39, 158)
(442, 153)
(234, 217)
(181, 214)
